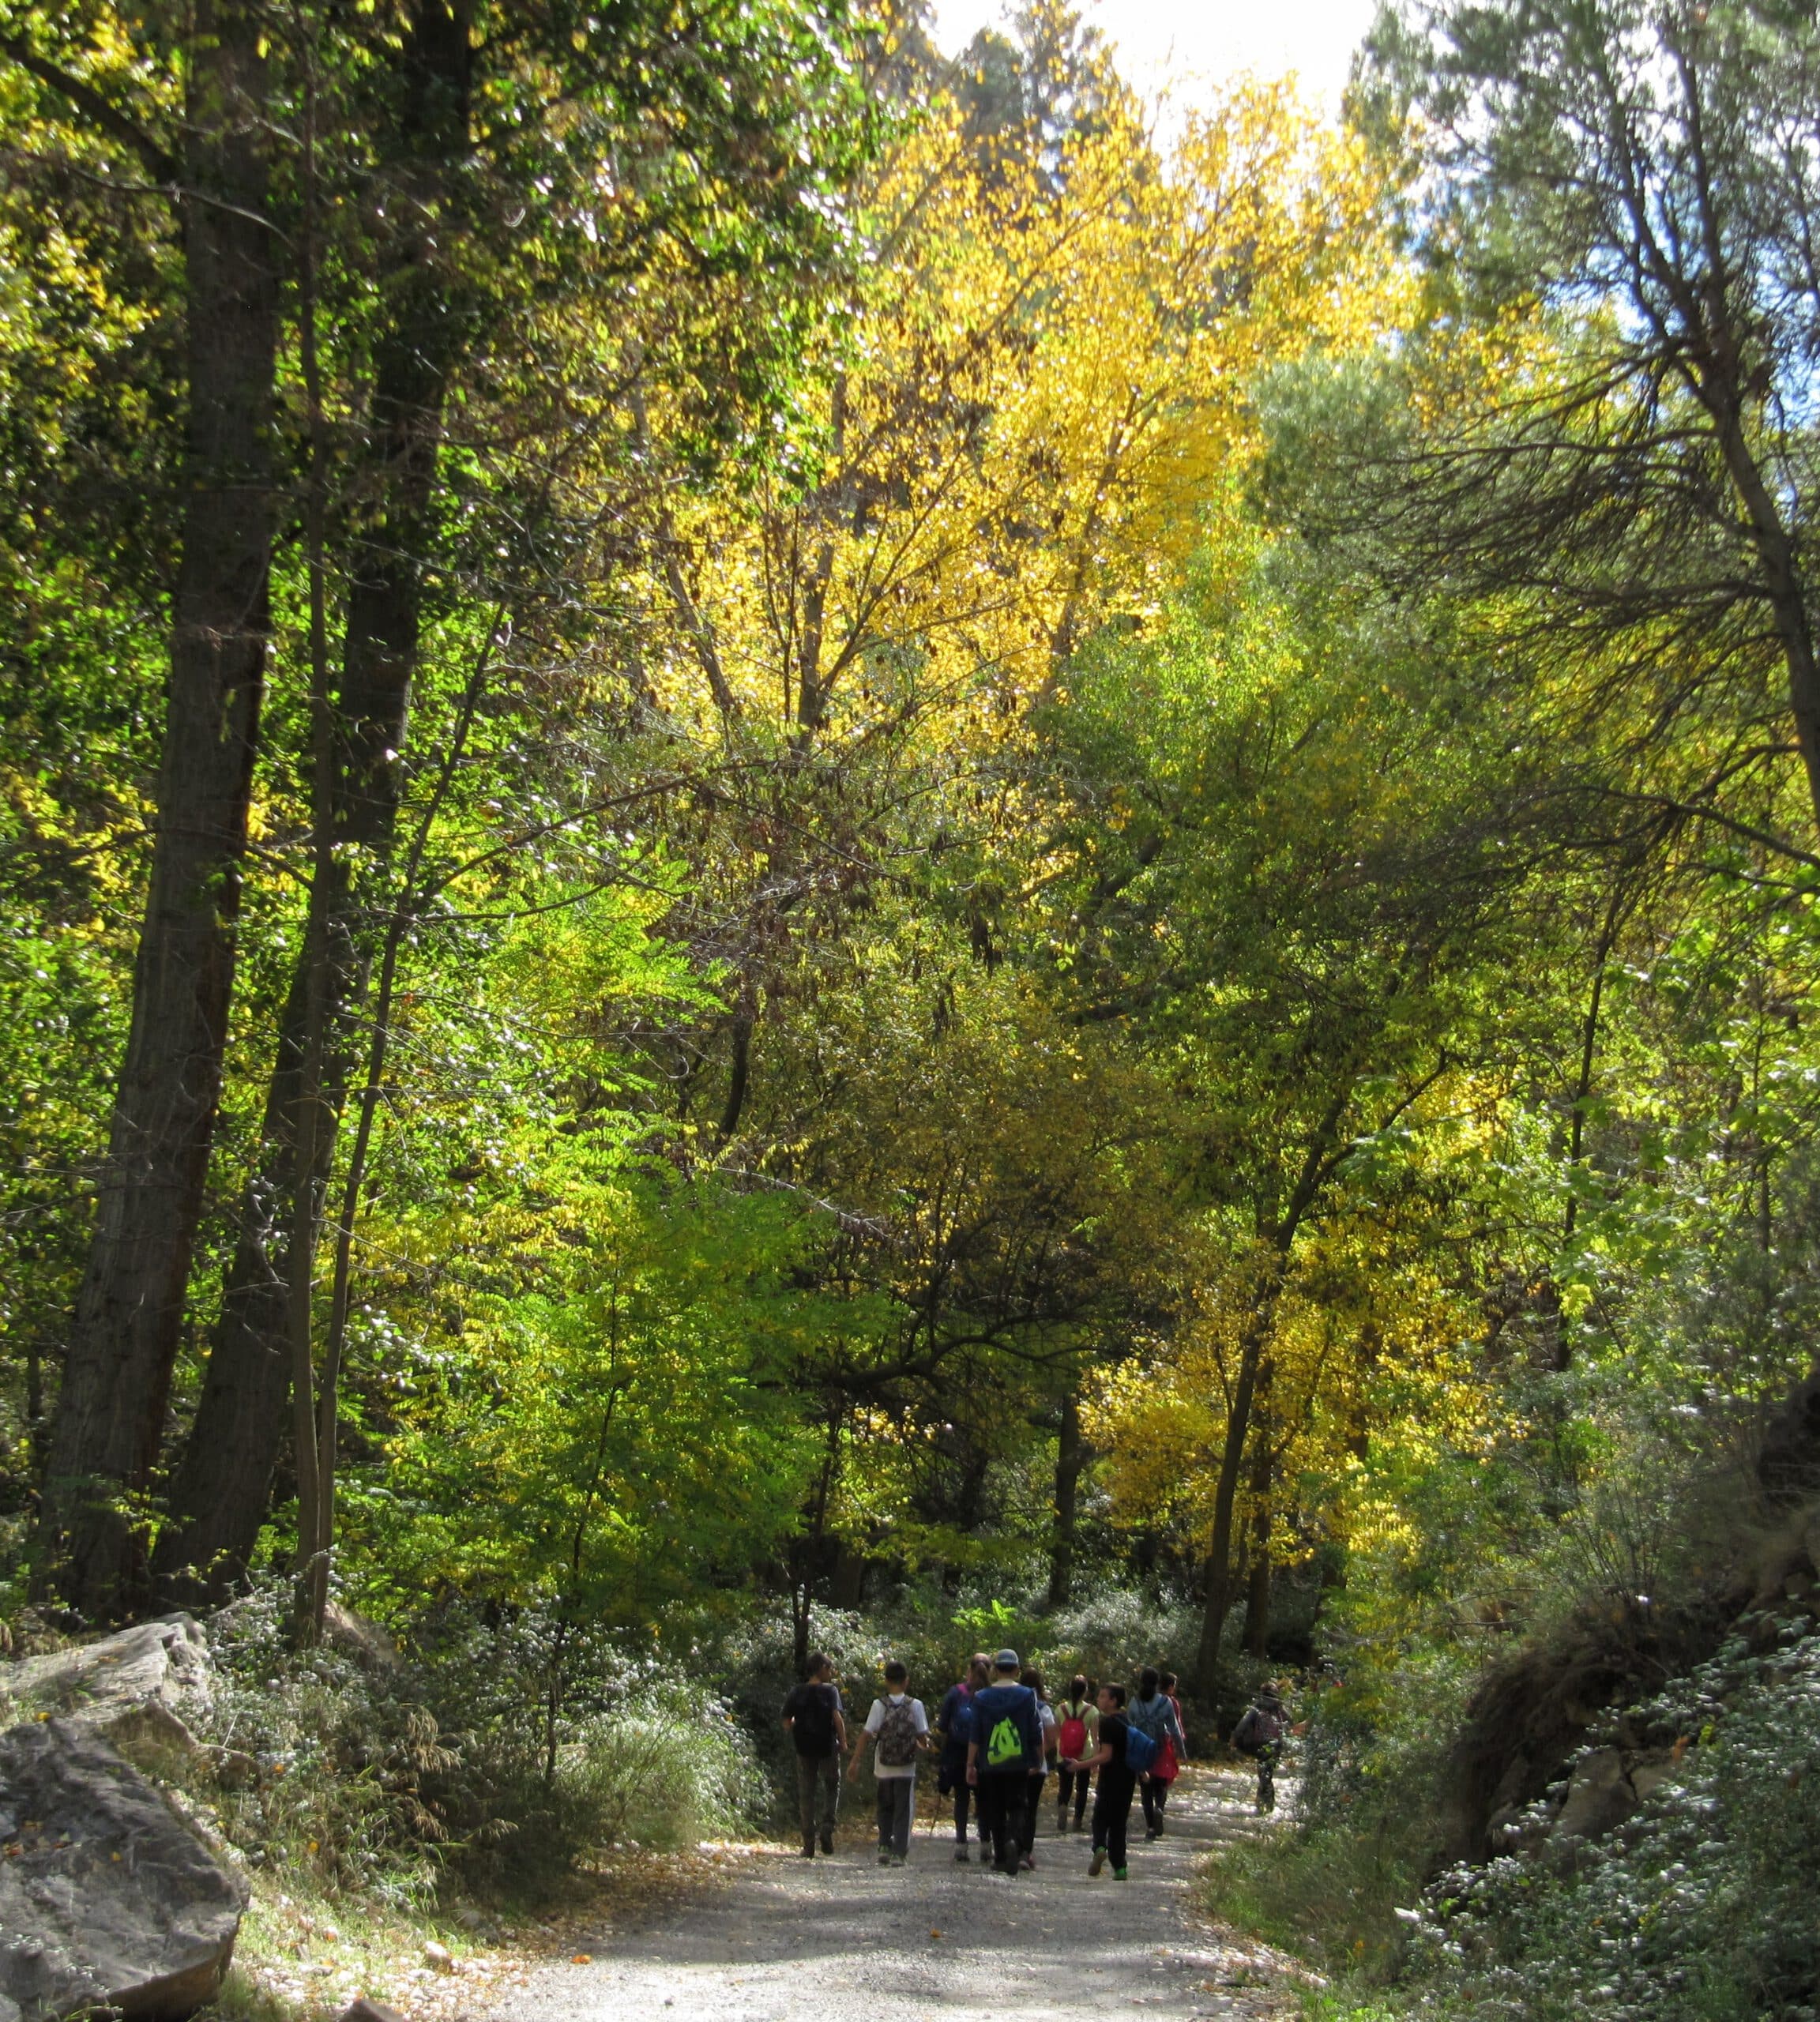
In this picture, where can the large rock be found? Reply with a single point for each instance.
(1599, 1797)
(141, 1688)
(365, 1641)
(108, 1898)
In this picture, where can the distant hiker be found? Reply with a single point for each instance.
(1118, 1779)
(1259, 1735)
(1077, 1736)
(813, 1721)
(1033, 1802)
(1170, 1757)
(1006, 1746)
(1153, 1715)
(899, 1728)
(956, 1721)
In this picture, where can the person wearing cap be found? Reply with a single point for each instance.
(1002, 1753)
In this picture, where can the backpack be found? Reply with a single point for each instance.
(897, 1735)
(1257, 1732)
(1141, 1749)
(1073, 1739)
(960, 1723)
(1005, 1745)
(815, 1718)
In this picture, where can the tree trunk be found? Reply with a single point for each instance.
(128, 1316)
(1220, 1582)
(1258, 1589)
(223, 1489)
(1070, 1458)
(1257, 1604)
(1320, 1162)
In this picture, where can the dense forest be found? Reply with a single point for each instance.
(805, 845)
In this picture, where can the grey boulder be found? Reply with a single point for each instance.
(1599, 1797)
(141, 1688)
(163, 1665)
(108, 1898)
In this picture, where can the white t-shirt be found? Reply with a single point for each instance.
(875, 1720)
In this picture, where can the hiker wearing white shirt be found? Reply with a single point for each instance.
(898, 1728)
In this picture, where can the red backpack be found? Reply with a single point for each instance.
(1073, 1736)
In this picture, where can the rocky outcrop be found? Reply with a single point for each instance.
(1529, 1724)
(142, 1688)
(1606, 1788)
(365, 1641)
(108, 1898)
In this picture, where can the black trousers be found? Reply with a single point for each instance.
(1077, 1784)
(1267, 1760)
(1155, 1796)
(963, 1804)
(1003, 1801)
(1033, 1805)
(1112, 1813)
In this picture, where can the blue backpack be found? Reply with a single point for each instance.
(1141, 1749)
(961, 1726)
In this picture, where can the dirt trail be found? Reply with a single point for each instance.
(843, 1940)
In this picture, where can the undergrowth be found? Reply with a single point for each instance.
(1699, 1909)
(1370, 1771)
(403, 1784)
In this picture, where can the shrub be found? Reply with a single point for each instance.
(1701, 1910)
(1367, 1829)
(377, 1783)
(666, 1769)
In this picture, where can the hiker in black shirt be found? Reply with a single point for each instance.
(813, 1719)
(1118, 1784)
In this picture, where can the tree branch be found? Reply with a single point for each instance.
(98, 109)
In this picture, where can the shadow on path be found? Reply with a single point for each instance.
(843, 1940)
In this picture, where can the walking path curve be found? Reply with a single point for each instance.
(843, 1940)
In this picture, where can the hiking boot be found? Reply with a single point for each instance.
(962, 1855)
(1121, 1874)
(827, 1843)
(884, 1857)
(1030, 1863)
(1098, 1861)
(808, 1849)
(897, 1860)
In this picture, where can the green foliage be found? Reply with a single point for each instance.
(387, 1784)
(1700, 1910)
(1367, 1829)
(622, 1436)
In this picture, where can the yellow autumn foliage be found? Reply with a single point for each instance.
(1037, 397)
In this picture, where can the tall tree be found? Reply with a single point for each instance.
(124, 1336)
(221, 1492)
(439, 139)
(1620, 222)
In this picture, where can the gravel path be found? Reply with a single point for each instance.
(843, 1940)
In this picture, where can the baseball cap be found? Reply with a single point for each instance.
(1007, 1660)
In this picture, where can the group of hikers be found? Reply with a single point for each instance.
(996, 1739)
